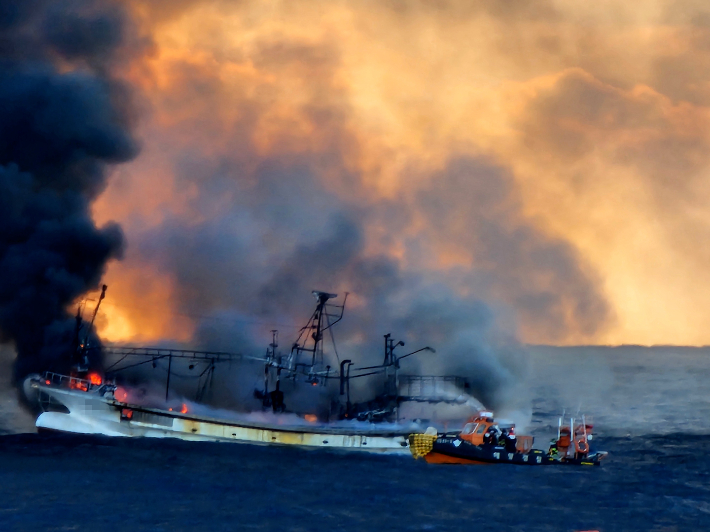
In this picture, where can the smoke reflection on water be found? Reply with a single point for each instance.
(623, 390)
(627, 390)
(13, 419)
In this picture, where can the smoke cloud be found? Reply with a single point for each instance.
(262, 196)
(475, 176)
(63, 119)
(360, 148)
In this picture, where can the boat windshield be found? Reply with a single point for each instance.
(469, 428)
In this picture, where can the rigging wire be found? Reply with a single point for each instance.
(332, 338)
(160, 367)
(137, 364)
(116, 363)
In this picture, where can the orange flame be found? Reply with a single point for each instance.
(120, 394)
(78, 384)
(184, 409)
(95, 378)
(311, 418)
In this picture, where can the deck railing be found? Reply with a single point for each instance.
(68, 381)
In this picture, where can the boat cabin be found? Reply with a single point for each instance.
(477, 426)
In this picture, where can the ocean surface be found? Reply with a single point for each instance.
(651, 410)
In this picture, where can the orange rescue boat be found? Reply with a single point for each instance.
(485, 441)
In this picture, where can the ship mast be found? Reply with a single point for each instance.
(80, 357)
(310, 340)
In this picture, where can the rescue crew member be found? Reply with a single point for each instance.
(489, 438)
(511, 441)
(502, 438)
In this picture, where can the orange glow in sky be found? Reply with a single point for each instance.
(599, 117)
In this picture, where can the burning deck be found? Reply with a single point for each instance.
(80, 406)
(96, 402)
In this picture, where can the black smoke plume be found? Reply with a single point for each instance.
(63, 119)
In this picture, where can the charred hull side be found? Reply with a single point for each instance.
(92, 412)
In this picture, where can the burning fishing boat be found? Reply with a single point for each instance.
(98, 403)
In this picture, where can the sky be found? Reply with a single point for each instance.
(534, 168)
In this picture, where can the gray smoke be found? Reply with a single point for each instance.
(63, 119)
(252, 267)
(265, 226)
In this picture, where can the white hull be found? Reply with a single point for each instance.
(90, 413)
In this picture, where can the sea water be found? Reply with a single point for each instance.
(650, 408)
